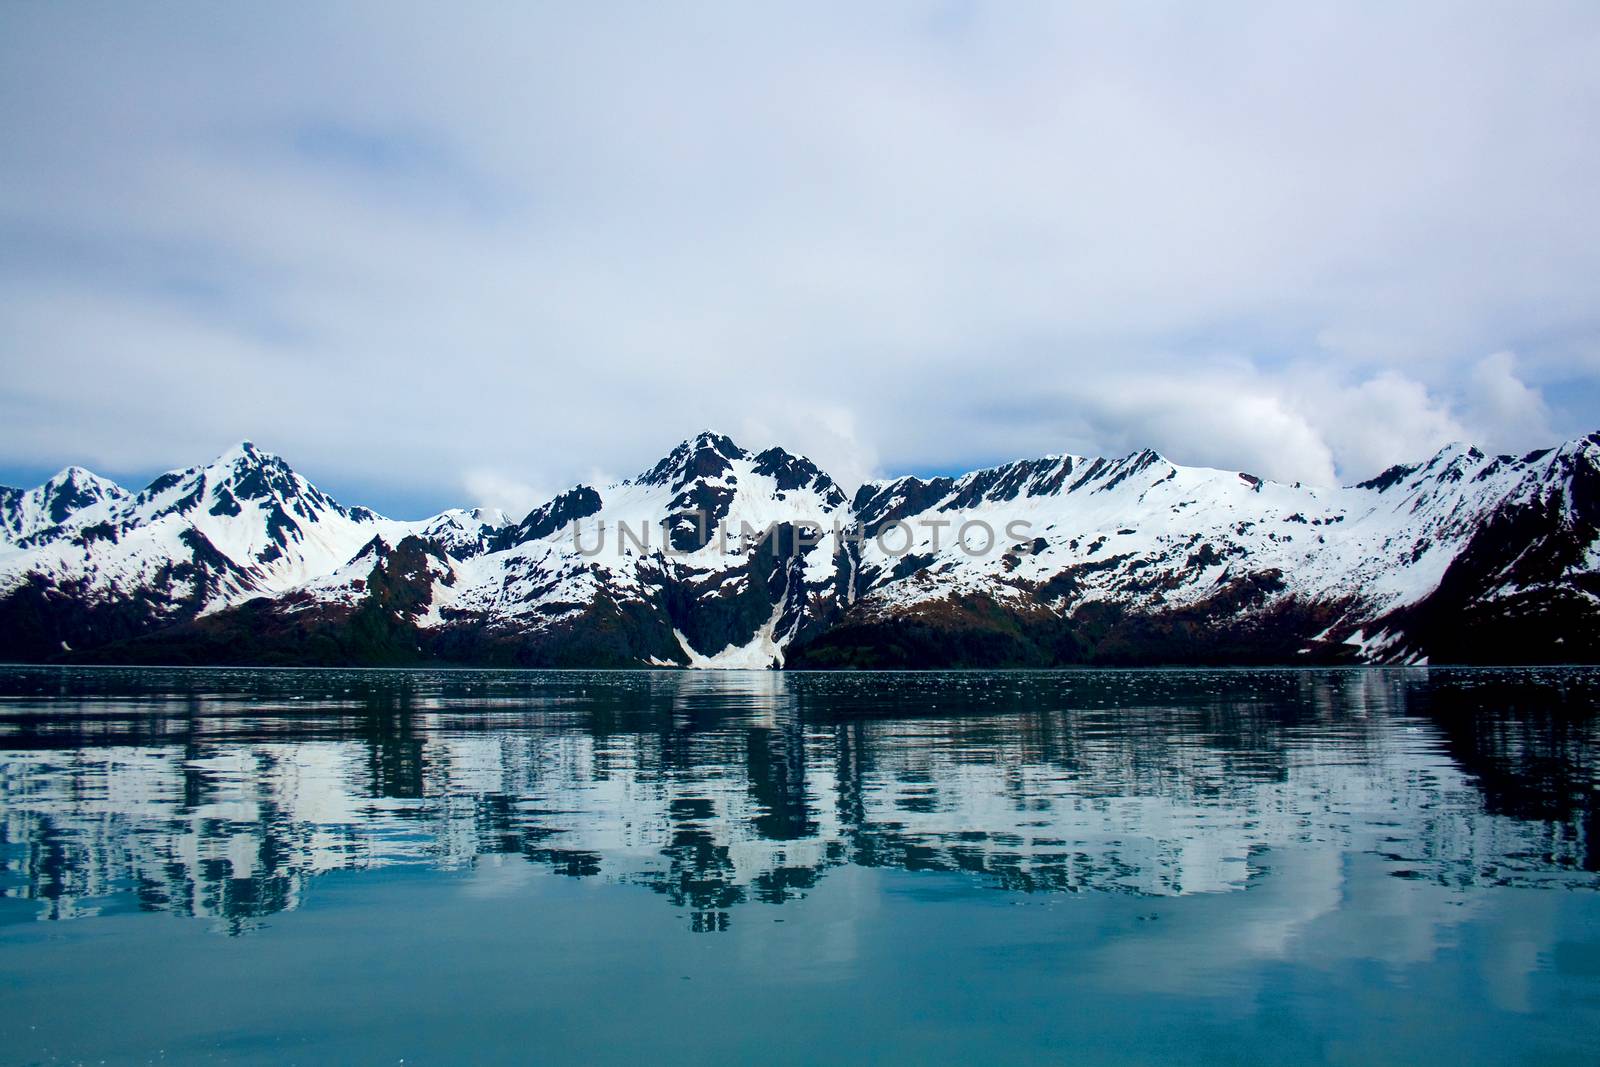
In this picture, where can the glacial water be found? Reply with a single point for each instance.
(1353, 867)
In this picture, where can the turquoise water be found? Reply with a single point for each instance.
(1359, 867)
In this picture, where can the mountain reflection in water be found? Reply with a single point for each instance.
(225, 794)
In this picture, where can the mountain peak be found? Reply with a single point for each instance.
(712, 439)
(72, 489)
(706, 455)
(244, 473)
(1147, 456)
(251, 473)
(790, 471)
(245, 453)
(76, 478)
(68, 491)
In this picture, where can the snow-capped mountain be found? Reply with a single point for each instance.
(671, 565)
(107, 563)
(27, 513)
(1138, 553)
(721, 557)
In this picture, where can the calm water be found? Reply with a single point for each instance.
(439, 867)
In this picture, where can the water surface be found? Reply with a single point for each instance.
(1355, 866)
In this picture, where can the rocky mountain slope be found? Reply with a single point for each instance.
(721, 557)
(88, 563)
(1462, 558)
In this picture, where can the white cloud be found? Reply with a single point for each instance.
(405, 247)
(1386, 419)
(1507, 412)
(1217, 419)
(828, 435)
(492, 489)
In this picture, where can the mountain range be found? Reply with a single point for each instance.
(719, 557)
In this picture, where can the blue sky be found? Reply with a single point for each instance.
(440, 257)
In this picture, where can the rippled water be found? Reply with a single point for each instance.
(1228, 866)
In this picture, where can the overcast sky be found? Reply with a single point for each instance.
(454, 254)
